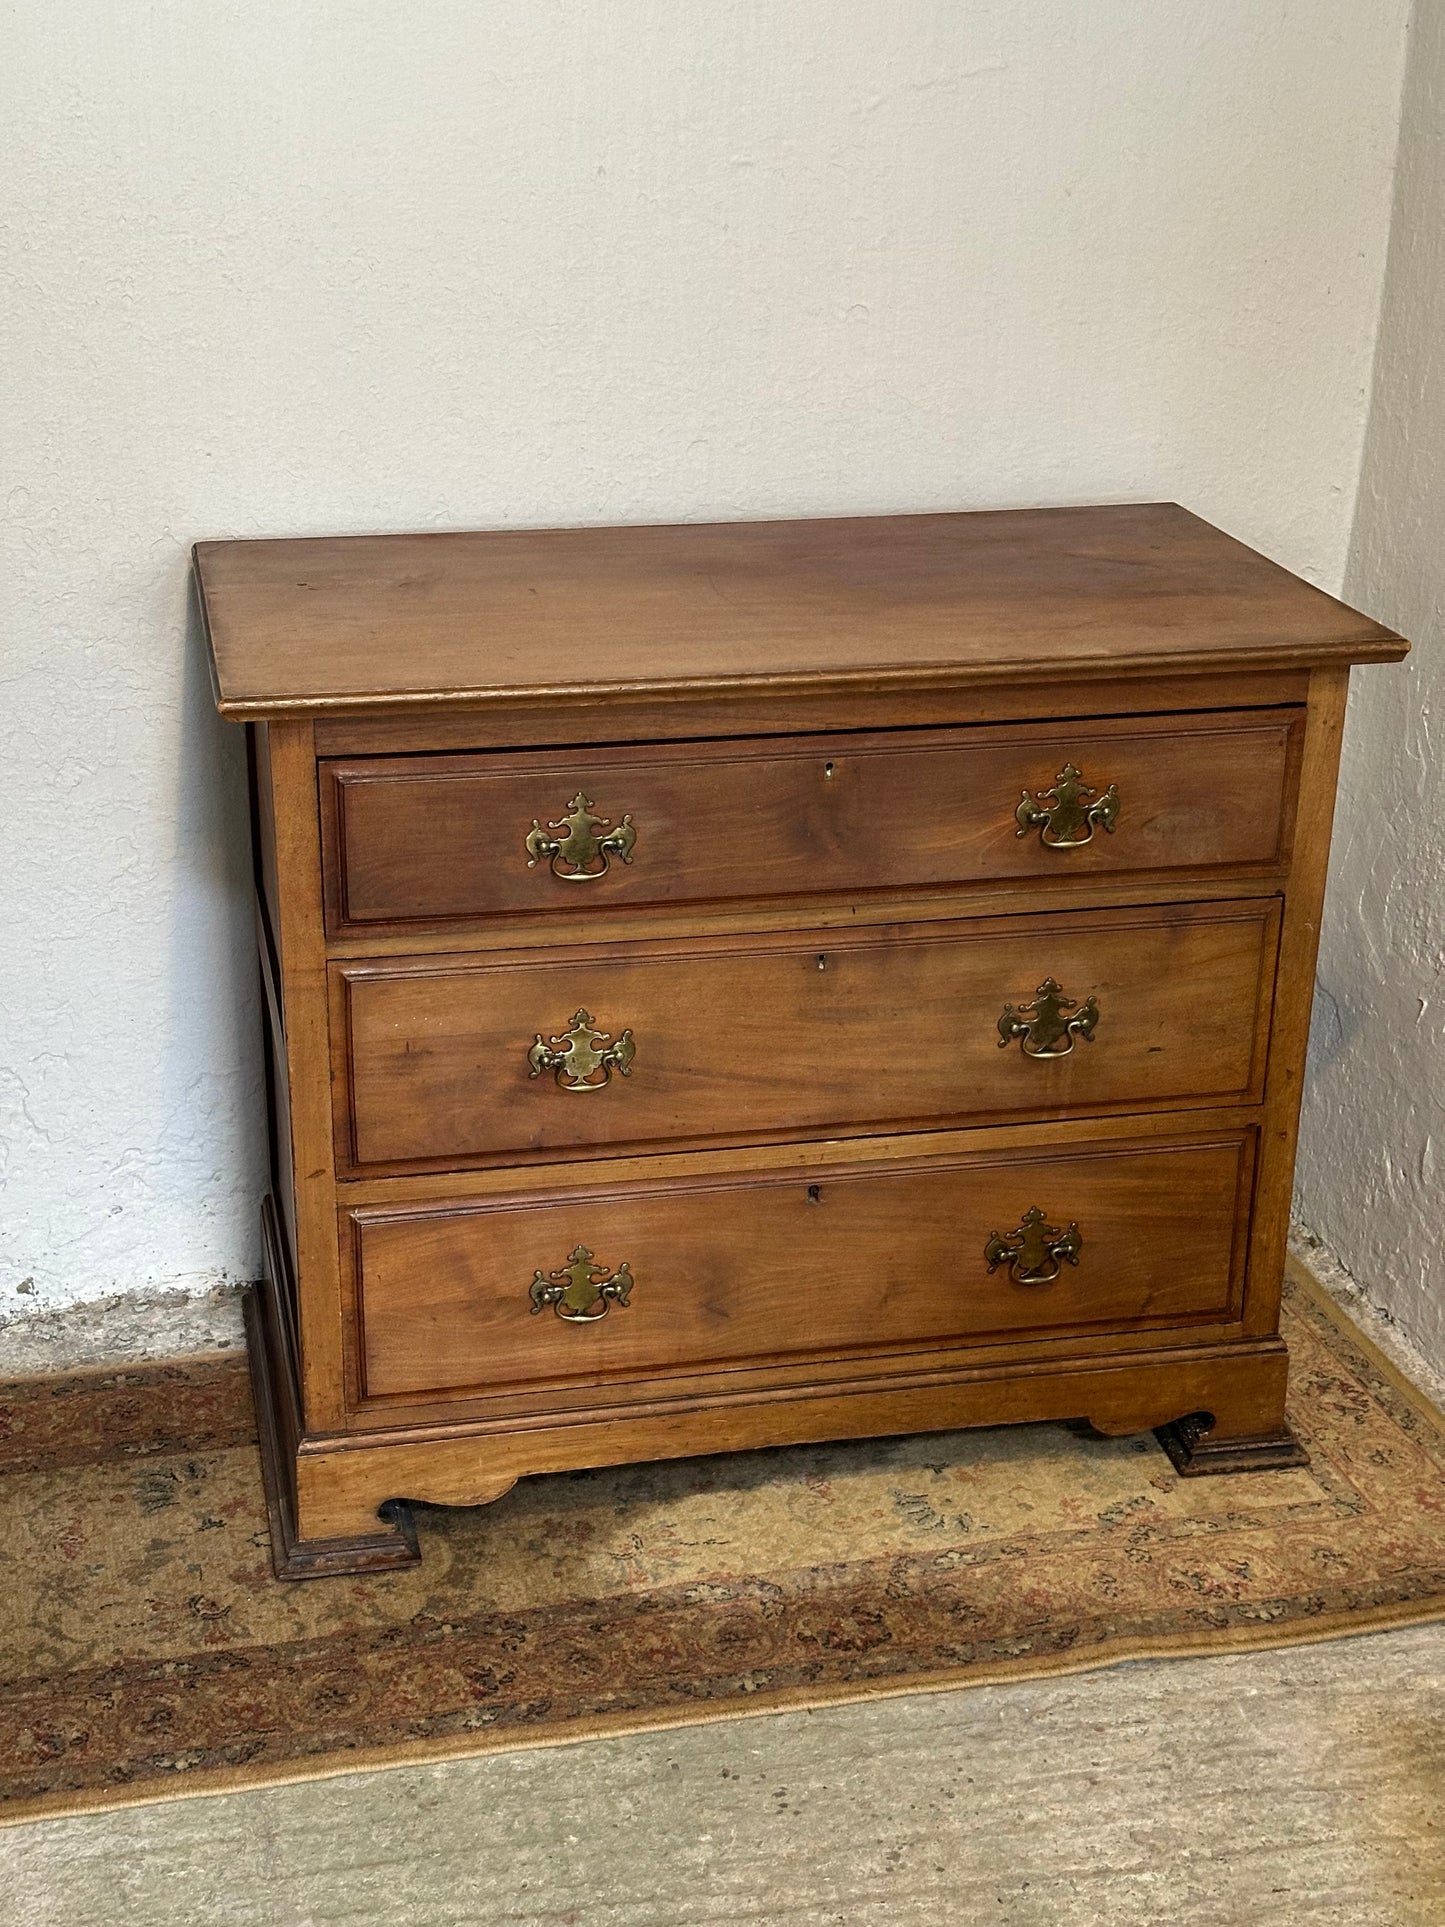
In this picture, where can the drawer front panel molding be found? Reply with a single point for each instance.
(454, 1061)
(773, 1266)
(428, 839)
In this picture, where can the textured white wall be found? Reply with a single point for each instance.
(281, 268)
(1372, 1155)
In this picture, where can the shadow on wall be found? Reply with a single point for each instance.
(1327, 1030)
(213, 1034)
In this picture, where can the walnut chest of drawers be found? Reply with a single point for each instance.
(727, 986)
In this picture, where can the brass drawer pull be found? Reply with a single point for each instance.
(583, 1058)
(1034, 1251)
(581, 1291)
(1067, 815)
(1046, 1028)
(587, 853)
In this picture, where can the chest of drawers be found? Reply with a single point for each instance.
(729, 986)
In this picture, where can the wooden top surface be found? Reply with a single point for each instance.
(358, 624)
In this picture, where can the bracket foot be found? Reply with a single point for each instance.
(1195, 1454)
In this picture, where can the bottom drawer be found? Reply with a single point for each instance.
(553, 1287)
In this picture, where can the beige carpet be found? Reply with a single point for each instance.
(149, 1653)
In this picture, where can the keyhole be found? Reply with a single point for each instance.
(815, 1194)
(827, 771)
(822, 961)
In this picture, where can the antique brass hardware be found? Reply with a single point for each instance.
(1034, 1251)
(581, 1291)
(583, 1057)
(1066, 815)
(1046, 1028)
(581, 846)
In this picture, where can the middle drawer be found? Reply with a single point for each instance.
(457, 1061)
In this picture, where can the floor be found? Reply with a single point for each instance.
(1304, 1788)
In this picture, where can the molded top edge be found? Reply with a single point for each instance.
(354, 625)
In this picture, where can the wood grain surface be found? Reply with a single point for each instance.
(770, 1266)
(802, 1034)
(351, 624)
(433, 838)
(531, 722)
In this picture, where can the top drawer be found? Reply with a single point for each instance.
(446, 837)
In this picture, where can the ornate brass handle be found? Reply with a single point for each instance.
(583, 1058)
(581, 1291)
(1046, 1028)
(587, 853)
(1066, 815)
(1034, 1251)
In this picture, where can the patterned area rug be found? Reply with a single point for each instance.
(149, 1653)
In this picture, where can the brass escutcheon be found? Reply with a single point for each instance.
(583, 1057)
(581, 1291)
(580, 846)
(1034, 1251)
(1066, 815)
(1045, 1026)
